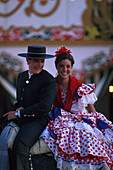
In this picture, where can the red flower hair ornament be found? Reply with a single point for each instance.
(62, 50)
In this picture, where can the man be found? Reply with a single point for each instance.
(36, 92)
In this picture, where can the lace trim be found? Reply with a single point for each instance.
(64, 165)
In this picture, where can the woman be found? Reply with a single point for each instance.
(79, 137)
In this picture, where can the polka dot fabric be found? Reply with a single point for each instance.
(86, 89)
(77, 141)
(63, 94)
(83, 140)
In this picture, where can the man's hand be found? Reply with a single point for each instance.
(20, 108)
(10, 115)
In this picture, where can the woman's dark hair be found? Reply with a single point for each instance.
(64, 56)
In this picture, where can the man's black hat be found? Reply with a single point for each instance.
(36, 52)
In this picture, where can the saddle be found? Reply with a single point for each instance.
(40, 147)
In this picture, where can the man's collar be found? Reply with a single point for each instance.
(29, 74)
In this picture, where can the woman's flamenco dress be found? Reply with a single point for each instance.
(80, 140)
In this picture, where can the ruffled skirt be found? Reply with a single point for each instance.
(80, 141)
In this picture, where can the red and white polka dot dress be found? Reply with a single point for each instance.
(82, 140)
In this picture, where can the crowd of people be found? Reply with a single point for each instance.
(61, 111)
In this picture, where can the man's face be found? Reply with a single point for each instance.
(35, 65)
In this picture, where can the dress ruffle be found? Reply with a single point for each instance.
(86, 96)
(79, 141)
(86, 89)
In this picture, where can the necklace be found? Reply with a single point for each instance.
(64, 89)
(63, 84)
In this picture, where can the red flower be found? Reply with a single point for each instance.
(62, 50)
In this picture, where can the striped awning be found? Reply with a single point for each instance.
(8, 87)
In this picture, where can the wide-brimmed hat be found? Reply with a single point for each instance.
(36, 52)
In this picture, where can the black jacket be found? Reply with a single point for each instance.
(35, 95)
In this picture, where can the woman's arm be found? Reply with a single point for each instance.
(90, 108)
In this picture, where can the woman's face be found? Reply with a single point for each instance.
(64, 68)
(35, 65)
